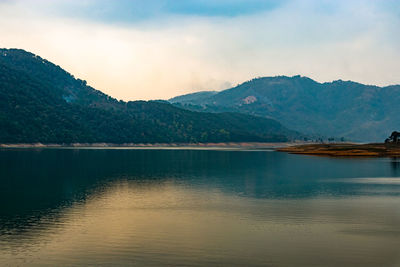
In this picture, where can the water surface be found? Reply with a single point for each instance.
(80, 207)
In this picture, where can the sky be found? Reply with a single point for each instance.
(157, 49)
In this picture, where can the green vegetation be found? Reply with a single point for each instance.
(345, 109)
(394, 138)
(40, 102)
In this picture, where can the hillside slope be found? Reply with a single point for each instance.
(40, 102)
(340, 108)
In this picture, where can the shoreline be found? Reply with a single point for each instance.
(345, 150)
(228, 145)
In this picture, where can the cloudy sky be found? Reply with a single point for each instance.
(156, 49)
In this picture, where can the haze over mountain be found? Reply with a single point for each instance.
(40, 102)
(340, 108)
(159, 49)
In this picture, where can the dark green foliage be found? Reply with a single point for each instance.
(393, 138)
(340, 108)
(40, 102)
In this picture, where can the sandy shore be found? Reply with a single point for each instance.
(345, 150)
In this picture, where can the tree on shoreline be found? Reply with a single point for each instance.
(393, 138)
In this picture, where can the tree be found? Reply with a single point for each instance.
(393, 138)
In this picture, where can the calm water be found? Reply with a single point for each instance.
(64, 207)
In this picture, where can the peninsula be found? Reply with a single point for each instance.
(346, 150)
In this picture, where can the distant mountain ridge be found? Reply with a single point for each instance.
(193, 97)
(340, 108)
(40, 102)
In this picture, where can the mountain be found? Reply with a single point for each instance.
(340, 108)
(198, 96)
(40, 102)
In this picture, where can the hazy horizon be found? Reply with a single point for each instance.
(135, 50)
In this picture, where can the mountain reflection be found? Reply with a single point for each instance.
(34, 181)
(112, 206)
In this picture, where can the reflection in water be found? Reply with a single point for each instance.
(396, 166)
(127, 207)
(375, 181)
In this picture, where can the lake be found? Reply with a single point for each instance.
(81, 207)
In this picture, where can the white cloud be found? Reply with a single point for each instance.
(164, 57)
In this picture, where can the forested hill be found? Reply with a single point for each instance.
(340, 108)
(40, 102)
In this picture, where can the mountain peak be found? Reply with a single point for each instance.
(41, 102)
(339, 108)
